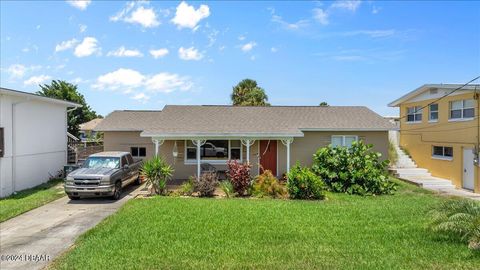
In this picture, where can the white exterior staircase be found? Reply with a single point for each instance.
(406, 169)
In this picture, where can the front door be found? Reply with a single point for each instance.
(268, 156)
(468, 168)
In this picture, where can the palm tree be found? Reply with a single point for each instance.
(458, 218)
(248, 93)
(156, 172)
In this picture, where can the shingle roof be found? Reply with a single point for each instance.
(191, 120)
(90, 125)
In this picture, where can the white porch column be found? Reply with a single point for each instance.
(157, 143)
(287, 143)
(198, 144)
(247, 143)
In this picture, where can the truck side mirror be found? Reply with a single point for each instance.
(126, 167)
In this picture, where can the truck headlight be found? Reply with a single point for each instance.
(69, 180)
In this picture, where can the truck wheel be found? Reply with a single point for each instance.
(138, 181)
(118, 191)
(71, 197)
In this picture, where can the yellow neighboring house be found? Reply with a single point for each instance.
(439, 129)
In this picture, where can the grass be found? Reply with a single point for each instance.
(344, 232)
(29, 199)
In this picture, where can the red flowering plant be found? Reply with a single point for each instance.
(239, 175)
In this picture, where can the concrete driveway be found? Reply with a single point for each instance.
(37, 237)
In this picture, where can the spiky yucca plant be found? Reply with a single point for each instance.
(156, 173)
(458, 218)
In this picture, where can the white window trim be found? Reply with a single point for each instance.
(415, 113)
(450, 119)
(442, 157)
(343, 138)
(215, 162)
(430, 120)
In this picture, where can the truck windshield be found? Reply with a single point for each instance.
(102, 162)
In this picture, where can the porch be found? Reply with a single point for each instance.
(190, 156)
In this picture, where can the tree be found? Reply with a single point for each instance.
(66, 91)
(248, 93)
(323, 104)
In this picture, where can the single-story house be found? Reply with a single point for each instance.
(275, 137)
(87, 129)
(33, 139)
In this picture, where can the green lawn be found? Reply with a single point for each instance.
(383, 232)
(29, 199)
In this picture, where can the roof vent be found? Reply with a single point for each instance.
(433, 91)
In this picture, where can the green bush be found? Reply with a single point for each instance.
(188, 187)
(354, 170)
(227, 188)
(392, 153)
(206, 184)
(302, 183)
(267, 185)
(458, 219)
(156, 172)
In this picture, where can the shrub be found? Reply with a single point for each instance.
(206, 184)
(392, 153)
(156, 173)
(239, 176)
(302, 183)
(354, 170)
(227, 188)
(267, 185)
(188, 187)
(458, 219)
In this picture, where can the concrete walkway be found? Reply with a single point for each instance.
(40, 235)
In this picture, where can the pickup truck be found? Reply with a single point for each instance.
(103, 174)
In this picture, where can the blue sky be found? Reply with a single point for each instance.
(143, 55)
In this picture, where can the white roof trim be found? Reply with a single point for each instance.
(188, 136)
(348, 129)
(426, 87)
(11, 92)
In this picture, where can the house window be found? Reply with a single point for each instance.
(138, 151)
(214, 151)
(433, 115)
(442, 152)
(343, 140)
(414, 114)
(462, 109)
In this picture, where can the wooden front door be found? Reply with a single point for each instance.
(268, 156)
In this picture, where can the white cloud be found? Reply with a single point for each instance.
(65, 45)
(141, 97)
(128, 80)
(83, 28)
(187, 16)
(289, 26)
(38, 26)
(248, 46)
(375, 10)
(273, 50)
(80, 4)
(189, 54)
(167, 82)
(88, 47)
(122, 52)
(241, 37)
(348, 5)
(320, 16)
(146, 17)
(159, 53)
(120, 78)
(16, 70)
(36, 80)
(371, 33)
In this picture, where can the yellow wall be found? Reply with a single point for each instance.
(418, 139)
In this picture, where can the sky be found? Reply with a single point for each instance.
(143, 55)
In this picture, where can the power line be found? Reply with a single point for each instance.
(435, 125)
(442, 97)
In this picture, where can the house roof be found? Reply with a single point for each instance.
(90, 125)
(427, 87)
(11, 92)
(187, 121)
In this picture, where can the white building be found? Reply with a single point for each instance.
(33, 139)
